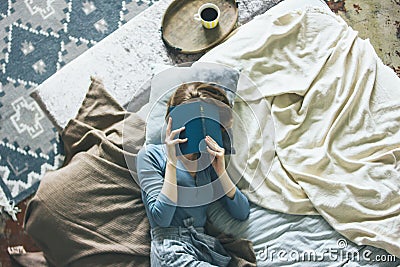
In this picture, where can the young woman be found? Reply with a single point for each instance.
(176, 194)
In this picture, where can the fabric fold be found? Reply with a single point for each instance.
(91, 207)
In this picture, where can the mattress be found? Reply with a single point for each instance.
(279, 239)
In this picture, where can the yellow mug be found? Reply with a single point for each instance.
(208, 14)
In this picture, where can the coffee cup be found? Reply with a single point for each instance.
(208, 14)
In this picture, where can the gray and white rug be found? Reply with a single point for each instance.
(38, 37)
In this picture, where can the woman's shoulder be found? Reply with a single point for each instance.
(152, 151)
(151, 160)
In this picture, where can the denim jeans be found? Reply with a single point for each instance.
(185, 246)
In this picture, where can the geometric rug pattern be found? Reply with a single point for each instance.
(38, 37)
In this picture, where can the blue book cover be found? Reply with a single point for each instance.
(200, 119)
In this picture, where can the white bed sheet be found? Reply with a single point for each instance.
(297, 237)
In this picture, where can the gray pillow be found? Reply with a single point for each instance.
(165, 83)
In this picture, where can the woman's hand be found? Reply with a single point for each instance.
(218, 152)
(219, 166)
(170, 142)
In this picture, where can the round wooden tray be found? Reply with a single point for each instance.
(186, 35)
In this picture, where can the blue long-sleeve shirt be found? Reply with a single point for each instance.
(194, 194)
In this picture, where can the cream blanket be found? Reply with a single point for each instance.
(335, 108)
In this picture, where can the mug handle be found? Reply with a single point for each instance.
(196, 17)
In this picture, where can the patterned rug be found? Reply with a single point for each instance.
(378, 21)
(38, 37)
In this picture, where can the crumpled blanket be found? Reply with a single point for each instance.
(90, 211)
(336, 112)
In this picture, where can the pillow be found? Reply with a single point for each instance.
(90, 212)
(164, 84)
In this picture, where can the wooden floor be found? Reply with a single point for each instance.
(12, 234)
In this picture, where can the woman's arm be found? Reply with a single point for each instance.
(234, 201)
(160, 194)
(160, 207)
(169, 188)
(238, 205)
(227, 184)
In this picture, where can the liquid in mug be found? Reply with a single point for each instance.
(209, 14)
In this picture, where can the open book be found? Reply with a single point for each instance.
(200, 119)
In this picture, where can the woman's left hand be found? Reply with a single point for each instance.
(219, 166)
(218, 152)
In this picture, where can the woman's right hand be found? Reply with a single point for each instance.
(170, 142)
